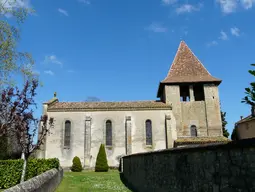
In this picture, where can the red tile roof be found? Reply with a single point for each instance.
(200, 140)
(186, 68)
(108, 106)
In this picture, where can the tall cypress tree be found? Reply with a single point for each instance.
(101, 162)
(224, 123)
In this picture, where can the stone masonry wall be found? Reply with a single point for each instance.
(46, 182)
(223, 167)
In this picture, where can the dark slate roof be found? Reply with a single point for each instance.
(186, 68)
(200, 140)
(108, 106)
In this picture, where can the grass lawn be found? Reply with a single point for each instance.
(91, 182)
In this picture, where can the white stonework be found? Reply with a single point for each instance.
(55, 140)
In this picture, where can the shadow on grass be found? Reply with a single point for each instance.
(127, 184)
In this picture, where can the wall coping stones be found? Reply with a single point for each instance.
(45, 182)
(245, 143)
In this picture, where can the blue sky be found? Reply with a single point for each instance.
(119, 50)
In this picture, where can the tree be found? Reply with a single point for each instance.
(17, 119)
(92, 99)
(234, 135)
(224, 123)
(76, 167)
(250, 91)
(101, 162)
(13, 61)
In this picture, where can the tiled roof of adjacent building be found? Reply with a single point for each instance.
(186, 68)
(108, 106)
(248, 118)
(200, 140)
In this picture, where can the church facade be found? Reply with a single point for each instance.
(187, 112)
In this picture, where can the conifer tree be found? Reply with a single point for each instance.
(101, 161)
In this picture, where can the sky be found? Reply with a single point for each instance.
(119, 50)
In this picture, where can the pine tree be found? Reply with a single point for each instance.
(101, 162)
(224, 123)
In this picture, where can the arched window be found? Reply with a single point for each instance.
(67, 139)
(108, 131)
(148, 130)
(193, 131)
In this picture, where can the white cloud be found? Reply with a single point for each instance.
(212, 43)
(9, 5)
(223, 36)
(87, 2)
(49, 72)
(235, 31)
(157, 28)
(227, 6)
(62, 11)
(230, 6)
(169, 2)
(247, 4)
(187, 8)
(53, 59)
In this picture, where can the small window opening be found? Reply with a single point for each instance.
(199, 94)
(184, 93)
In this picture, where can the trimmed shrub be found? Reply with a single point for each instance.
(10, 170)
(76, 167)
(101, 162)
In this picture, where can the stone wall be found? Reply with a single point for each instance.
(46, 182)
(222, 167)
(88, 132)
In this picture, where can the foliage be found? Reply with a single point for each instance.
(10, 170)
(250, 91)
(92, 181)
(224, 123)
(11, 60)
(17, 119)
(101, 161)
(6, 150)
(76, 167)
(234, 135)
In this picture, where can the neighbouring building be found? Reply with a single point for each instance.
(186, 113)
(245, 127)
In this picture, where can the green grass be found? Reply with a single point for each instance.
(91, 182)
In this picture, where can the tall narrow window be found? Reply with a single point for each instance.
(67, 139)
(108, 133)
(148, 132)
(193, 131)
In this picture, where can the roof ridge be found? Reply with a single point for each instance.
(110, 101)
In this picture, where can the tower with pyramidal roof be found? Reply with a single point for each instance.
(193, 93)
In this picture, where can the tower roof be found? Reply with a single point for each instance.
(186, 68)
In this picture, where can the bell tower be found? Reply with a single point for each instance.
(193, 93)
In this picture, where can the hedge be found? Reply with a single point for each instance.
(10, 170)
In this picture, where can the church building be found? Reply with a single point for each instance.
(187, 112)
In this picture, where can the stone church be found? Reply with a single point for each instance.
(187, 112)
